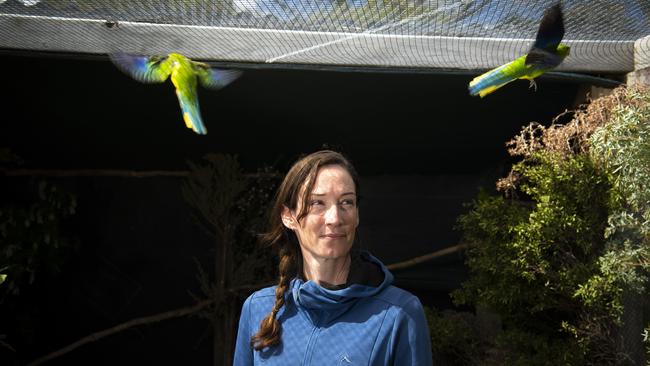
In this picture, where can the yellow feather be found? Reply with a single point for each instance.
(490, 89)
(188, 120)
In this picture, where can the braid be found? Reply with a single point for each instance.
(270, 328)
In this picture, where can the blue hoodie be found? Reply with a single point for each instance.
(360, 324)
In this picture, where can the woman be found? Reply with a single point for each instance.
(333, 305)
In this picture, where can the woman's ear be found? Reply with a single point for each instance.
(288, 219)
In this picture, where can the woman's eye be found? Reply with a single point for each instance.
(315, 203)
(347, 202)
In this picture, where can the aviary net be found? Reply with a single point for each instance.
(429, 34)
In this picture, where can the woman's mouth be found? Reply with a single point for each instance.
(334, 236)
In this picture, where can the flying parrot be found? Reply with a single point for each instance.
(184, 74)
(546, 54)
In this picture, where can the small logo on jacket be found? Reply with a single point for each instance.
(345, 359)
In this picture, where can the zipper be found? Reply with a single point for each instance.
(310, 344)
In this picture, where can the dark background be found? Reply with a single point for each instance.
(422, 145)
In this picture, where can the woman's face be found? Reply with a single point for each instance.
(327, 231)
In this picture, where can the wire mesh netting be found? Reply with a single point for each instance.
(459, 34)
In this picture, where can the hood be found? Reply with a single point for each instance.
(368, 276)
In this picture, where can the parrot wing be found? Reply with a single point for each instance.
(189, 101)
(551, 29)
(543, 59)
(144, 69)
(215, 79)
(544, 53)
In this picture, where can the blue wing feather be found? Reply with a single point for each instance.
(212, 78)
(142, 68)
(551, 29)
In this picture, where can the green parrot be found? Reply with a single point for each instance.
(546, 54)
(184, 74)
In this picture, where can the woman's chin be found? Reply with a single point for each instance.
(335, 251)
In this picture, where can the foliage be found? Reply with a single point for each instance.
(531, 256)
(33, 247)
(212, 189)
(454, 339)
(255, 263)
(32, 243)
(622, 147)
(554, 254)
(525, 348)
(223, 196)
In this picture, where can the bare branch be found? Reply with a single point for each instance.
(5, 344)
(120, 327)
(425, 258)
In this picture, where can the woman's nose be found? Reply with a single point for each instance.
(332, 215)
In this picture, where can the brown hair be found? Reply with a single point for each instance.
(302, 174)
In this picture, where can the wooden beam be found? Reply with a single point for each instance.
(59, 173)
(123, 173)
(270, 46)
(642, 53)
(641, 73)
(639, 77)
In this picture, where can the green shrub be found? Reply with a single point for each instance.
(569, 235)
(530, 256)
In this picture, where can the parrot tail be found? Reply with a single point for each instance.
(485, 84)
